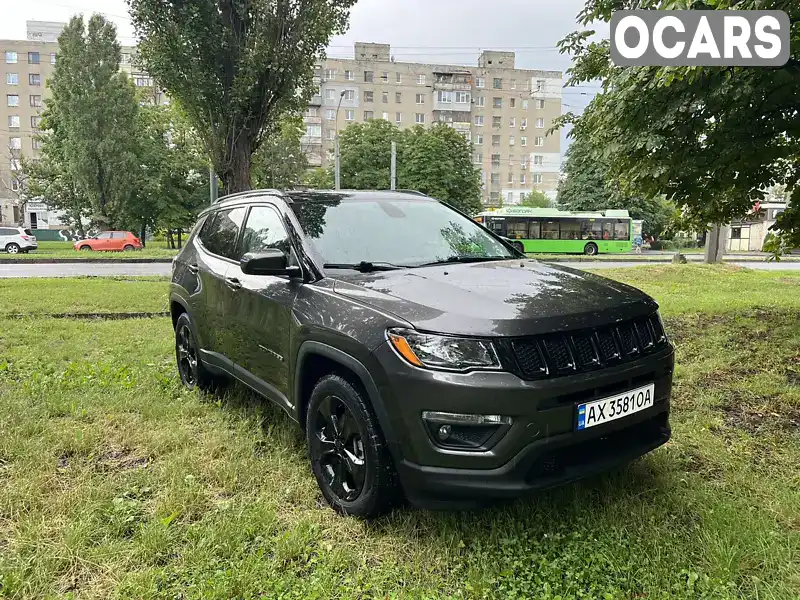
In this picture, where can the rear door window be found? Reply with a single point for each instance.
(219, 235)
(118, 235)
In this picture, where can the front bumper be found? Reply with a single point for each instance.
(540, 449)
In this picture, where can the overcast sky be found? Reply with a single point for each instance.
(436, 31)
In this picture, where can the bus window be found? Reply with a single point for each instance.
(570, 229)
(608, 230)
(517, 229)
(550, 230)
(497, 226)
(591, 230)
(534, 230)
(621, 230)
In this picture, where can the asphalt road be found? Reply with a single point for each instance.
(165, 269)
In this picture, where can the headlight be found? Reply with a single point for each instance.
(443, 352)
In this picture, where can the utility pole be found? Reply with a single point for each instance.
(212, 184)
(394, 166)
(336, 167)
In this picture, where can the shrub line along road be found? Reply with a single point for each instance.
(149, 268)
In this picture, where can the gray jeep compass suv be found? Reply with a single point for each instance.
(421, 354)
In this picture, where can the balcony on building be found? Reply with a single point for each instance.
(452, 80)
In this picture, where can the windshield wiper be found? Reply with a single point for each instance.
(465, 259)
(364, 266)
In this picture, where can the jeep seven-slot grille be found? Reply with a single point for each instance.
(586, 349)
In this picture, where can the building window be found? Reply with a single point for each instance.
(398, 97)
(479, 120)
(538, 159)
(495, 179)
(523, 163)
(536, 178)
(497, 121)
(523, 124)
(480, 83)
(12, 78)
(510, 177)
(523, 178)
(368, 76)
(330, 94)
(398, 78)
(12, 100)
(497, 103)
(480, 102)
(540, 104)
(462, 97)
(142, 81)
(540, 85)
(312, 111)
(479, 139)
(33, 58)
(35, 101)
(524, 105)
(330, 114)
(11, 58)
(523, 141)
(420, 98)
(385, 77)
(494, 196)
(348, 76)
(35, 122)
(444, 96)
(331, 134)
(420, 79)
(313, 130)
(478, 158)
(52, 58)
(15, 143)
(350, 95)
(512, 122)
(369, 96)
(349, 115)
(736, 233)
(13, 121)
(539, 123)
(124, 59)
(14, 184)
(398, 117)
(368, 114)
(497, 83)
(495, 140)
(513, 84)
(385, 116)
(330, 74)
(419, 118)
(513, 102)
(14, 164)
(385, 97)
(34, 79)
(512, 140)
(539, 141)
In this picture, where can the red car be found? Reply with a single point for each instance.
(110, 240)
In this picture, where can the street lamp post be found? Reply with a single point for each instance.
(337, 173)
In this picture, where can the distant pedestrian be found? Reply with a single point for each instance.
(637, 244)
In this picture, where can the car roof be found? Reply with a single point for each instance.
(291, 196)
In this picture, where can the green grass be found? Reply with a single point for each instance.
(62, 250)
(117, 483)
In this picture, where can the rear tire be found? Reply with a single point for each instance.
(590, 249)
(192, 372)
(349, 455)
(128, 248)
(12, 248)
(85, 248)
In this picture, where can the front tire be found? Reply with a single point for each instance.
(12, 248)
(519, 247)
(85, 248)
(590, 249)
(192, 372)
(349, 456)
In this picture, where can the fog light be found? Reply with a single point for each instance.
(459, 431)
(444, 432)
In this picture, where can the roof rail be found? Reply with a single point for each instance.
(415, 192)
(248, 193)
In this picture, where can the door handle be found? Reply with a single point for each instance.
(193, 269)
(233, 283)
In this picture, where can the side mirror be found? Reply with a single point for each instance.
(268, 262)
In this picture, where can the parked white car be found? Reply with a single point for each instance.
(17, 239)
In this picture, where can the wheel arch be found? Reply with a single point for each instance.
(176, 309)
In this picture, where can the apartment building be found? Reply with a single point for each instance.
(504, 111)
(26, 65)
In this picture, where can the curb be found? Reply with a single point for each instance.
(80, 261)
(113, 316)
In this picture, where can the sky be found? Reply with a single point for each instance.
(431, 31)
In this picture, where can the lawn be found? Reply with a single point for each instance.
(115, 482)
(61, 250)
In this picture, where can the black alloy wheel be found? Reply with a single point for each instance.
(186, 354)
(338, 445)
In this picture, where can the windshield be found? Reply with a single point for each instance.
(400, 232)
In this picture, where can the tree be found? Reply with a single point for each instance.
(97, 110)
(587, 185)
(280, 162)
(236, 67)
(535, 199)
(365, 151)
(712, 139)
(318, 179)
(438, 162)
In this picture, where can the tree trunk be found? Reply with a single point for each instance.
(716, 241)
(180, 238)
(143, 235)
(236, 177)
(170, 243)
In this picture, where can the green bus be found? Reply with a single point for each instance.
(562, 232)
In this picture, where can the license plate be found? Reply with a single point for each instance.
(615, 407)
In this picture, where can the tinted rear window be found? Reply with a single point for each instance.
(28, 232)
(219, 234)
